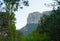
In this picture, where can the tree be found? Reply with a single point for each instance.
(12, 5)
(4, 26)
(51, 25)
(9, 19)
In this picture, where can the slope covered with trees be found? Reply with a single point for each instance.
(50, 24)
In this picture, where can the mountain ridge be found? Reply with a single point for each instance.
(32, 22)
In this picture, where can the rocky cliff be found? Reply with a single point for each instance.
(32, 22)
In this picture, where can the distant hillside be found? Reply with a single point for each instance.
(28, 28)
(47, 12)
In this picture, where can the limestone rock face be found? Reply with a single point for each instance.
(32, 22)
(33, 17)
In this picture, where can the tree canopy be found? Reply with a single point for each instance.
(13, 4)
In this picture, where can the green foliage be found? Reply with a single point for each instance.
(34, 36)
(51, 25)
(7, 25)
(12, 27)
(12, 4)
(4, 27)
(8, 20)
(18, 35)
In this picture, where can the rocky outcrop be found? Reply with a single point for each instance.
(32, 22)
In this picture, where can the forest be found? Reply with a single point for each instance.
(48, 28)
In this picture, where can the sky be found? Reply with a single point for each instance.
(34, 6)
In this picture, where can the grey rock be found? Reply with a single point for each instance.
(32, 22)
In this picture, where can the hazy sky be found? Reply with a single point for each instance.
(35, 5)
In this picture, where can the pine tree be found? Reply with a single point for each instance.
(7, 20)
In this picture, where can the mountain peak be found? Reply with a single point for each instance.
(32, 22)
(33, 17)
